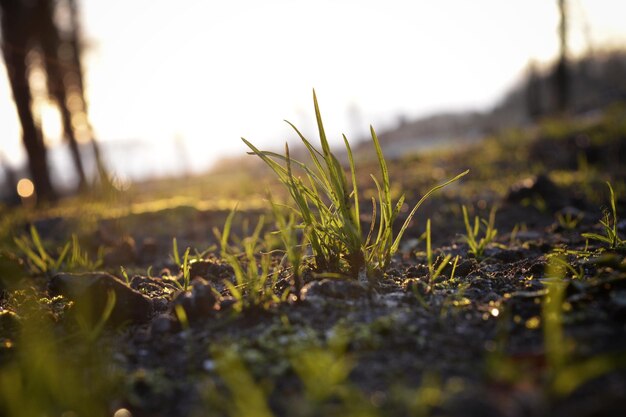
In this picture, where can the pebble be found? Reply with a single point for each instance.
(90, 292)
(332, 288)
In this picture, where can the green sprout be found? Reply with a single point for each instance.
(125, 275)
(569, 220)
(292, 243)
(43, 262)
(609, 224)
(436, 267)
(184, 266)
(329, 205)
(254, 283)
(477, 244)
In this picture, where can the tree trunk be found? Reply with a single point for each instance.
(561, 73)
(56, 70)
(15, 39)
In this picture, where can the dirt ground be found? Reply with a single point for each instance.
(535, 326)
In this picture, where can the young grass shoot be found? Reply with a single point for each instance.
(328, 205)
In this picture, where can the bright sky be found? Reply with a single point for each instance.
(208, 72)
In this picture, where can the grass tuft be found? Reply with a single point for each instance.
(328, 205)
(70, 258)
(476, 243)
(609, 224)
(254, 276)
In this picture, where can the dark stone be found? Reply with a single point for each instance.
(212, 271)
(199, 301)
(164, 323)
(332, 288)
(463, 268)
(415, 271)
(540, 187)
(9, 323)
(418, 287)
(147, 285)
(227, 303)
(90, 292)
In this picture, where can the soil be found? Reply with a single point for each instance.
(479, 343)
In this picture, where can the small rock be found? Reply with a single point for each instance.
(463, 268)
(147, 284)
(209, 270)
(9, 322)
(335, 288)
(415, 271)
(90, 293)
(418, 287)
(540, 187)
(226, 303)
(163, 323)
(199, 302)
(160, 304)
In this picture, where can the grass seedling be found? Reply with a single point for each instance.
(79, 259)
(477, 244)
(609, 223)
(436, 267)
(292, 244)
(37, 256)
(559, 264)
(125, 275)
(175, 253)
(183, 266)
(569, 220)
(254, 282)
(329, 205)
(41, 261)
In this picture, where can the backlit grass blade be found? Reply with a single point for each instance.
(396, 243)
(328, 204)
(37, 242)
(175, 253)
(355, 188)
(31, 255)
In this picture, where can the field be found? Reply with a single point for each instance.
(504, 294)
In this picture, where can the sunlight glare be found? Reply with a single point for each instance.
(25, 188)
(49, 118)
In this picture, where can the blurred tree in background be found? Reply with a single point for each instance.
(561, 73)
(43, 37)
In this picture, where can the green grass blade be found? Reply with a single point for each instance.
(61, 258)
(396, 243)
(175, 253)
(226, 232)
(355, 189)
(37, 242)
(31, 255)
(429, 252)
(383, 167)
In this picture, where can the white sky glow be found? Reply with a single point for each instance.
(208, 72)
